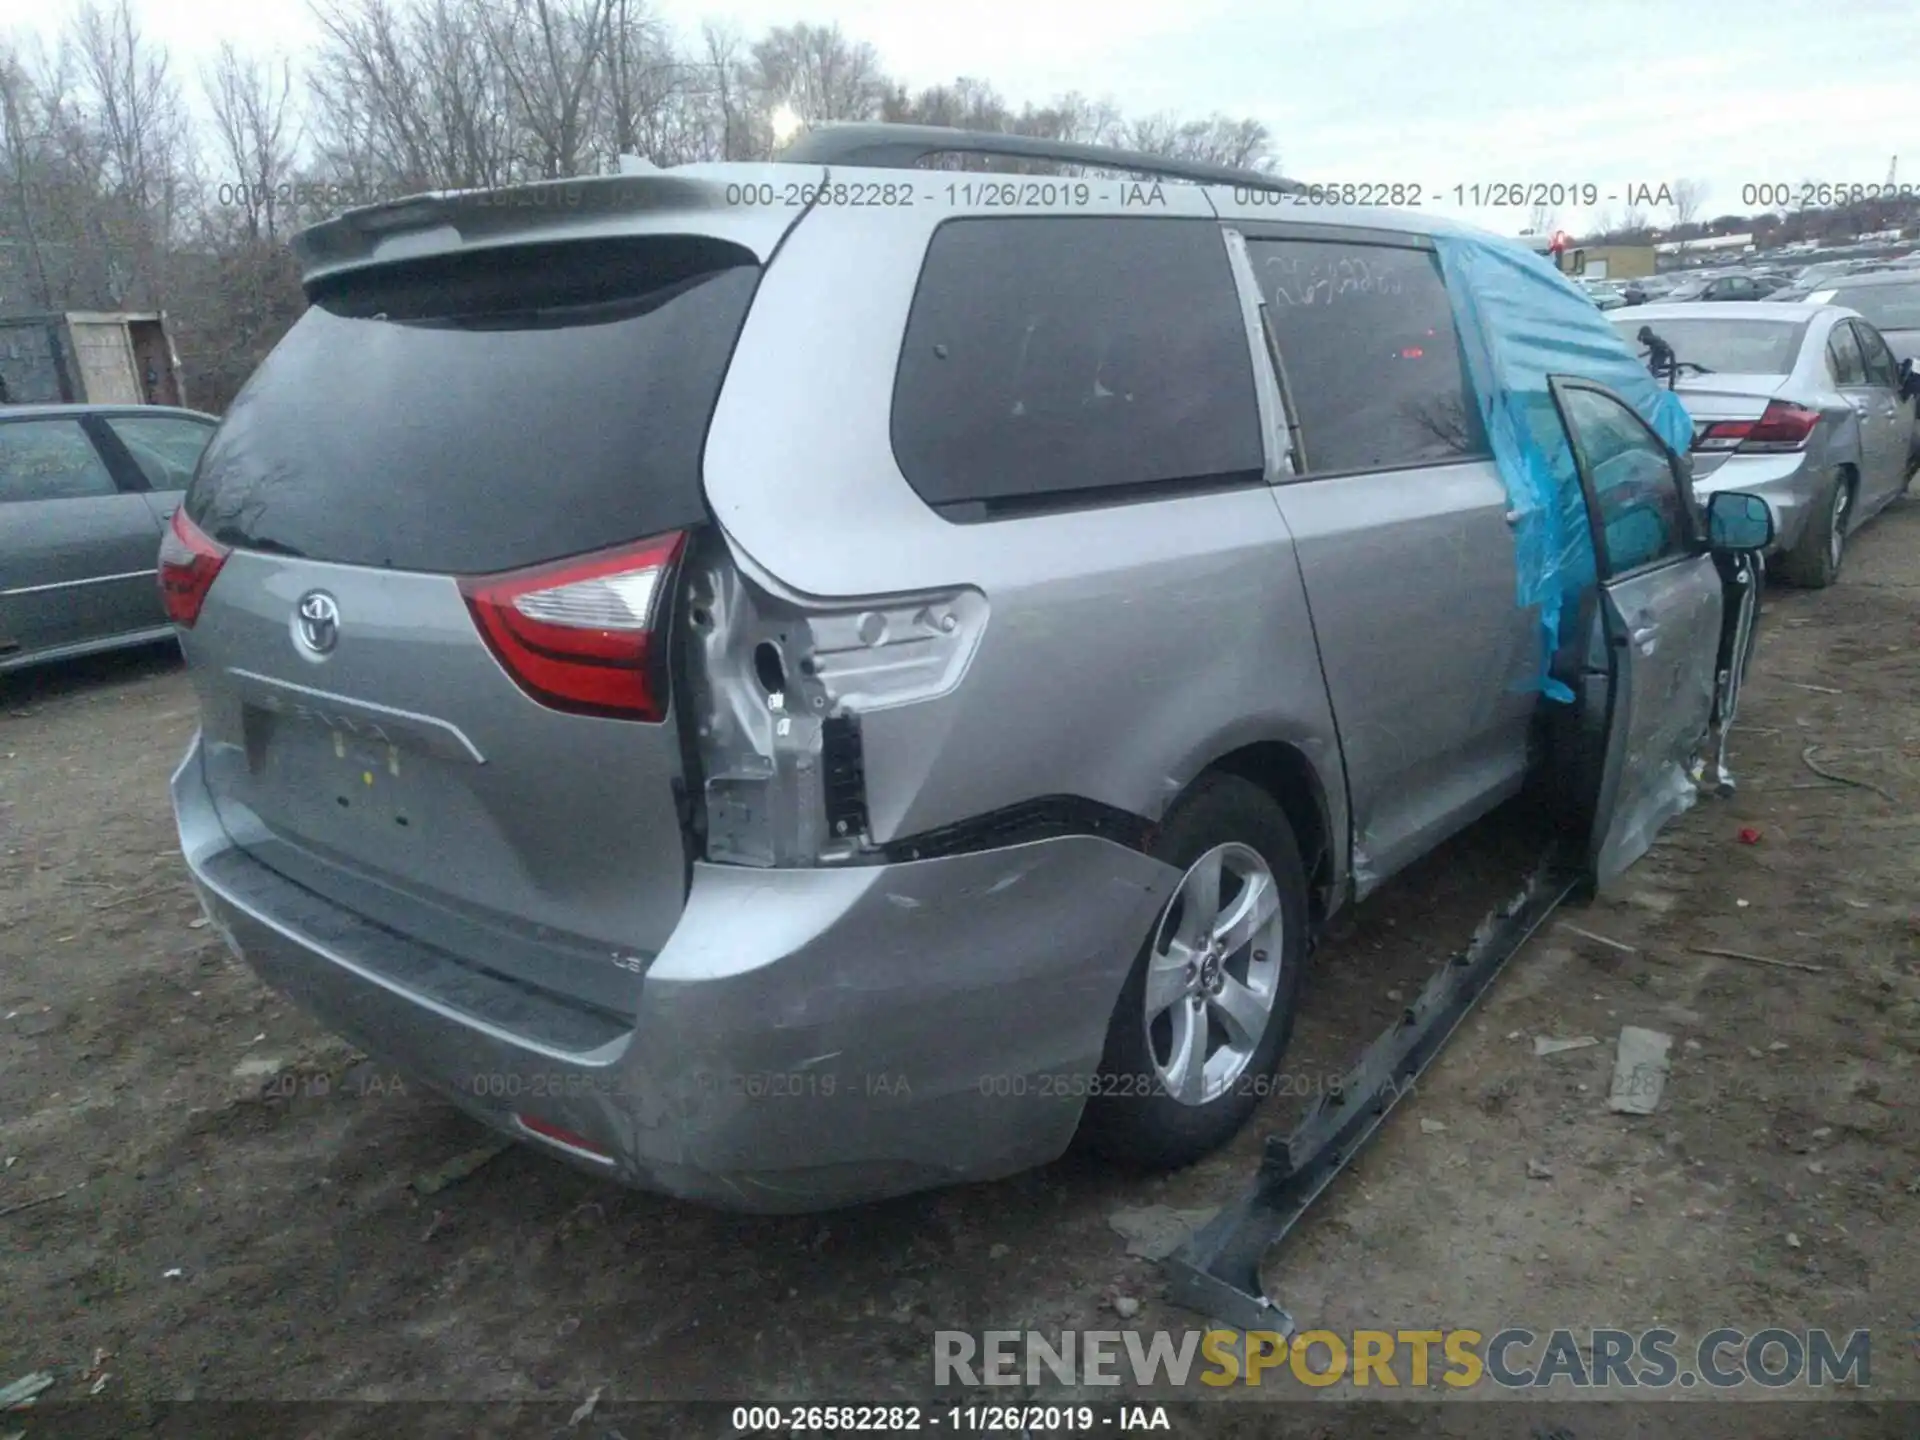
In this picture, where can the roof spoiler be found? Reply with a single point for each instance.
(439, 222)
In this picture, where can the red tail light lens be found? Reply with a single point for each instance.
(1783, 426)
(584, 635)
(190, 560)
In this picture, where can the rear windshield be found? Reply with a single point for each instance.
(485, 412)
(1886, 307)
(1744, 347)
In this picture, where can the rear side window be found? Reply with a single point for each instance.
(50, 460)
(1882, 369)
(1072, 357)
(1843, 357)
(484, 412)
(1372, 361)
(165, 448)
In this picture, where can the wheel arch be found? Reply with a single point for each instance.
(1287, 773)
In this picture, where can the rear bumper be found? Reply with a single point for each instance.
(807, 1038)
(1790, 484)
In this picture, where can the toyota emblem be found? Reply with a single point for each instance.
(316, 622)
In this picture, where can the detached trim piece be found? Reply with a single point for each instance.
(1217, 1272)
(1048, 818)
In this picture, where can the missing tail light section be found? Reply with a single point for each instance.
(784, 690)
(845, 769)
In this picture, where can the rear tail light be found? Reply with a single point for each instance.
(585, 635)
(190, 560)
(1783, 426)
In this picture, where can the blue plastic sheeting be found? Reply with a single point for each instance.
(1521, 321)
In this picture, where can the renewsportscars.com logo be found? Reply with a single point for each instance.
(1515, 1358)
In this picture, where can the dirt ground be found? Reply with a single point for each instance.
(218, 1230)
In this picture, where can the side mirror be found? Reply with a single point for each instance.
(1737, 522)
(1909, 380)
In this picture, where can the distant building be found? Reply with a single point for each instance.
(1735, 243)
(90, 357)
(1612, 262)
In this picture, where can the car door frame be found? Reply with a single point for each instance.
(1887, 427)
(1630, 796)
(132, 606)
(120, 458)
(1859, 399)
(1397, 814)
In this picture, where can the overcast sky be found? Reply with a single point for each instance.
(1438, 93)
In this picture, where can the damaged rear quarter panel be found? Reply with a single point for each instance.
(1128, 646)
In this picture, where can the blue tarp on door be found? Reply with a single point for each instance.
(1521, 321)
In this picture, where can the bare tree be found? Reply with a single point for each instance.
(413, 99)
(1077, 119)
(1540, 219)
(1218, 140)
(550, 55)
(728, 84)
(1688, 197)
(19, 146)
(653, 99)
(818, 73)
(137, 118)
(255, 132)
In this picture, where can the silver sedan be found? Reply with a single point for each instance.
(86, 492)
(1803, 404)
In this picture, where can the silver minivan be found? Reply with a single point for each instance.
(788, 684)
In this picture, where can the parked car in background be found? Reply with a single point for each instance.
(86, 493)
(1603, 294)
(1890, 301)
(627, 654)
(1736, 286)
(1810, 277)
(1803, 404)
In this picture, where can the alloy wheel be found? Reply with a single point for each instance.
(1213, 973)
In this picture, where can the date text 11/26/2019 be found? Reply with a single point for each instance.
(960, 1419)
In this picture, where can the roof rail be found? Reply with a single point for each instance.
(876, 145)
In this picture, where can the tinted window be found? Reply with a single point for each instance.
(484, 412)
(1730, 346)
(1843, 357)
(1055, 355)
(1891, 307)
(50, 460)
(1881, 367)
(1373, 365)
(1642, 518)
(166, 449)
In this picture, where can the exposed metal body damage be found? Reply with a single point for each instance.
(780, 687)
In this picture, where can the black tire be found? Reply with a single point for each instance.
(1814, 562)
(1131, 1118)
